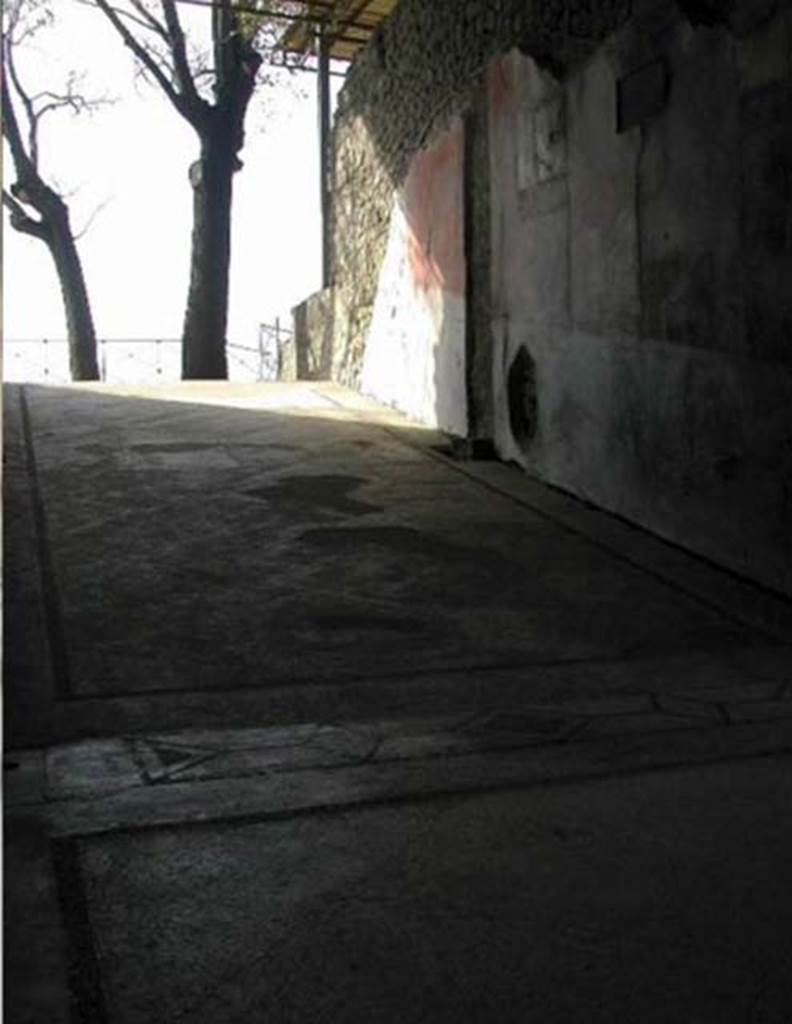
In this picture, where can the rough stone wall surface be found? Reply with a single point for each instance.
(287, 358)
(362, 200)
(424, 65)
(642, 308)
(313, 336)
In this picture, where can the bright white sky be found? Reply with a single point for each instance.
(136, 154)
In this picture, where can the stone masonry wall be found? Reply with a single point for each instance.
(313, 336)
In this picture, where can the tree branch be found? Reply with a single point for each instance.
(78, 103)
(223, 43)
(237, 62)
(94, 214)
(25, 100)
(24, 166)
(148, 62)
(21, 219)
(178, 46)
(148, 20)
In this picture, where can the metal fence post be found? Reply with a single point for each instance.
(261, 352)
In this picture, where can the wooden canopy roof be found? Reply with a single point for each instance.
(347, 25)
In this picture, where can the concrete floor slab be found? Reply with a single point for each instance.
(307, 720)
(179, 569)
(638, 899)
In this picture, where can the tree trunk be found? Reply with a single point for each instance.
(79, 321)
(204, 338)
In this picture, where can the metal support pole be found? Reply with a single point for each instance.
(323, 78)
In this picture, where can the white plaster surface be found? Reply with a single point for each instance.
(415, 353)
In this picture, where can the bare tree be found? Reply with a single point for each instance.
(211, 89)
(35, 206)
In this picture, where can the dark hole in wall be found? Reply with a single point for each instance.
(521, 393)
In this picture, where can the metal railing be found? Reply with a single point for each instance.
(140, 360)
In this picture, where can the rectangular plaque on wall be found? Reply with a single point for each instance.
(641, 94)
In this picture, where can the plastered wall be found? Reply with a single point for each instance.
(425, 68)
(642, 282)
(414, 357)
(568, 226)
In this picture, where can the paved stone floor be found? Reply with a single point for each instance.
(306, 720)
